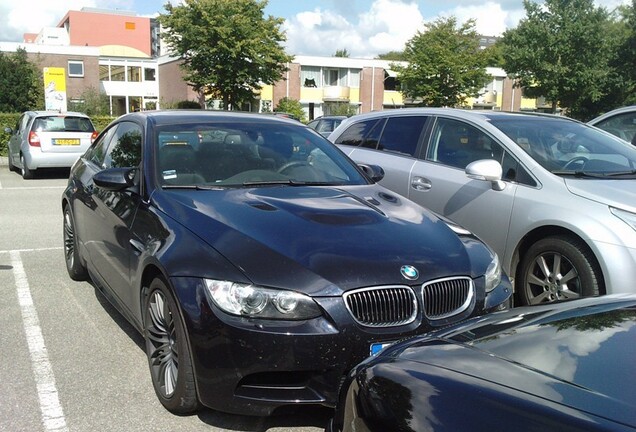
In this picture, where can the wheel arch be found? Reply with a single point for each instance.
(543, 232)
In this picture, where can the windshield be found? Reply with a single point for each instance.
(566, 147)
(62, 123)
(249, 154)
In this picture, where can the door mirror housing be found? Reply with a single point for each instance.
(374, 172)
(487, 170)
(115, 179)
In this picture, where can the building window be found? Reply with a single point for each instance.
(117, 73)
(150, 74)
(103, 73)
(75, 68)
(134, 73)
(310, 76)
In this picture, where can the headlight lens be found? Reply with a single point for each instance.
(493, 274)
(627, 217)
(257, 302)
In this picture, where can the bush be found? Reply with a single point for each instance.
(6, 120)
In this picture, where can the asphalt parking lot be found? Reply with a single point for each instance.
(69, 361)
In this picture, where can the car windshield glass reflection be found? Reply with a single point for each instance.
(248, 154)
(570, 148)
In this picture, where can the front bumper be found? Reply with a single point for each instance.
(249, 366)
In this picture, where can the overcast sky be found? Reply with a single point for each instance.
(365, 28)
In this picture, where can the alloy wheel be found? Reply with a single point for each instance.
(552, 277)
(161, 344)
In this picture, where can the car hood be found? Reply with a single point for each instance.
(310, 237)
(580, 355)
(616, 193)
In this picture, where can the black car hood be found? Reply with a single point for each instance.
(303, 237)
(580, 354)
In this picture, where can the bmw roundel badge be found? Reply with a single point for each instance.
(409, 272)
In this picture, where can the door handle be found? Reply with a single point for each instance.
(421, 183)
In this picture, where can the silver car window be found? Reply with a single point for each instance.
(457, 144)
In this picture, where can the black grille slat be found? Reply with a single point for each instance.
(382, 306)
(446, 297)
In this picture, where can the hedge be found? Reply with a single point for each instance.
(11, 120)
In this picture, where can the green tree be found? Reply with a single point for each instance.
(445, 66)
(560, 51)
(91, 102)
(626, 55)
(291, 106)
(341, 53)
(228, 48)
(393, 56)
(21, 83)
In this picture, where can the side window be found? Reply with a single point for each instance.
(622, 125)
(125, 148)
(457, 144)
(362, 134)
(514, 171)
(402, 134)
(22, 123)
(97, 153)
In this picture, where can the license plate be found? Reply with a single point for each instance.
(66, 141)
(379, 346)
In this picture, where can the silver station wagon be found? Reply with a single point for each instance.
(48, 139)
(554, 197)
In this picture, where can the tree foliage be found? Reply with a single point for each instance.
(229, 49)
(393, 56)
(341, 53)
(21, 83)
(291, 106)
(561, 51)
(91, 102)
(446, 65)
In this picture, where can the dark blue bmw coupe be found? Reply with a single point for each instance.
(258, 261)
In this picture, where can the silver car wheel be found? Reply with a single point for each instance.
(553, 278)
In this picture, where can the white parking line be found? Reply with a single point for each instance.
(52, 413)
(31, 250)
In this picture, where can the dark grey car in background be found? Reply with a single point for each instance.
(555, 198)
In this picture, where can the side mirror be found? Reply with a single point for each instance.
(8, 130)
(487, 170)
(115, 179)
(374, 172)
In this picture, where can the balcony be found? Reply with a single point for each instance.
(335, 94)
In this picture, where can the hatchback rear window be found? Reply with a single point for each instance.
(62, 124)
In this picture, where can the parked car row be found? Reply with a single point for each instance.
(264, 267)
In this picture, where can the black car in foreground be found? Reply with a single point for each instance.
(566, 367)
(257, 260)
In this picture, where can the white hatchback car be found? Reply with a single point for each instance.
(48, 139)
(554, 197)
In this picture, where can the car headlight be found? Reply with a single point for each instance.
(257, 302)
(627, 217)
(493, 274)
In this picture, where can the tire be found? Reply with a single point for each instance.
(558, 268)
(168, 351)
(76, 270)
(27, 173)
(11, 166)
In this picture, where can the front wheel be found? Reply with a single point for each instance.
(558, 268)
(168, 351)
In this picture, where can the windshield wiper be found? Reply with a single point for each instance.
(579, 174)
(286, 183)
(194, 187)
